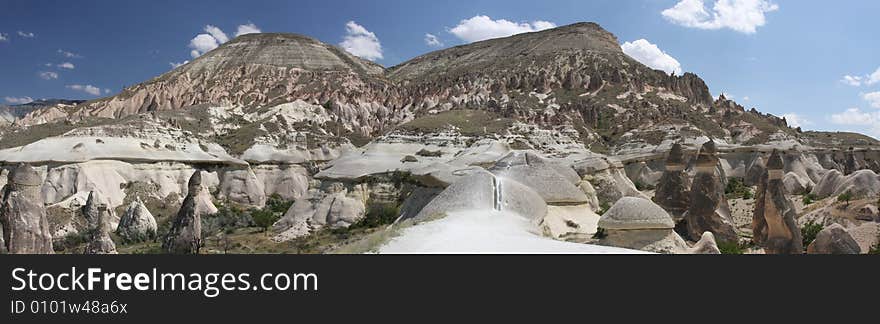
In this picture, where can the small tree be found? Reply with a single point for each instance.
(845, 197)
(809, 232)
(264, 218)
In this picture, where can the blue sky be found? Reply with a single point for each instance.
(780, 56)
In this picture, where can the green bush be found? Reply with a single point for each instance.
(809, 199)
(736, 189)
(276, 204)
(809, 232)
(730, 247)
(264, 218)
(227, 219)
(378, 215)
(643, 186)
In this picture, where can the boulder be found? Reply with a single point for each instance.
(481, 190)
(862, 183)
(637, 223)
(706, 245)
(25, 225)
(137, 224)
(97, 215)
(185, 235)
(673, 189)
(563, 221)
(834, 239)
(335, 207)
(708, 210)
(795, 184)
(868, 213)
(828, 184)
(773, 220)
(551, 181)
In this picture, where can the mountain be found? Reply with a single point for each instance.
(573, 77)
(258, 70)
(10, 114)
(577, 75)
(552, 125)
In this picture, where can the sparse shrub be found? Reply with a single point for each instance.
(809, 199)
(736, 189)
(600, 234)
(603, 207)
(264, 218)
(730, 247)
(227, 218)
(640, 186)
(809, 232)
(424, 152)
(276, 204)
(400, 177)
(378, 215)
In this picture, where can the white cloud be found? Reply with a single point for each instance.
(48, 75)
(218, 34)
(66, 65)
(479, 28)
(68, 54)
(106, 91)
(177, 65)
(854, 81)
(90, 89)
(26, 34)
(651, 55)
(744, 16)
(3, 37)
(250, 28)
(18, 101)
(873, 98)
(855, 116)
(795, 120)
(361, 42)
(202, 44)
(214, 37)
(432, 40)
(746, 98)
(873, 78)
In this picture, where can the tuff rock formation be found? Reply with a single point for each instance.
(834, 239)
(555, 183)
(25, 225)
(185, 235)
(97, 216)
(851, 165)
(773, 220)
(706, 245)
(755, 171)
(673, 189)
(708, 210)
(137, 224)
(637, 223)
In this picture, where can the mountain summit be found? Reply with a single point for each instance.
(573, 77)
